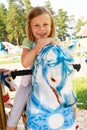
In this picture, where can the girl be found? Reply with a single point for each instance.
(40, 30)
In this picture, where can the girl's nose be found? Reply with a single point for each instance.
(42, 27)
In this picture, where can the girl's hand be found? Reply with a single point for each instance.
(43, 42)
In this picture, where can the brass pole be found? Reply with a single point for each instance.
(2, 110)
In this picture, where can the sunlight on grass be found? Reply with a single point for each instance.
(80, 87)
(9, 62)
(9, 58)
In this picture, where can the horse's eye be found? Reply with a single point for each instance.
(53, 79)
(9, 79)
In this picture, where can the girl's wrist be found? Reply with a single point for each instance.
(54, 42)
(35, 50)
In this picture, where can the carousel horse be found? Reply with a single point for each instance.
(7, 81)
(51, 102)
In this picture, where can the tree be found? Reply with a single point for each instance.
(48, 6)
(27, 5)
(16, 20)
(3, 12)
(62, 25)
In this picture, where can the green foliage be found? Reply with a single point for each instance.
(27, 5)
(2, 21)
(13, 20)
(15, 23)
(80, 87)
(62, 25)
(48, 6)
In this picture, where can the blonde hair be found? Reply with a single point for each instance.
(34, 12)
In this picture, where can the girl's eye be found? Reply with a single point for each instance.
(39, 25)
(46, 24)
(36, 25)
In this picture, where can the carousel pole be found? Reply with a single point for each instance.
(2, 110)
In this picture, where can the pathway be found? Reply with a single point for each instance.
(82, 119)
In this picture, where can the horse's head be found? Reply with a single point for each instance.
(56, 65)
(53, 66)
(7, 80)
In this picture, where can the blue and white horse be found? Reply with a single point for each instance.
(50, 105)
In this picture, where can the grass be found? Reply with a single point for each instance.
(9, 55)
(9, 62)
(9, 58)
(80, 87)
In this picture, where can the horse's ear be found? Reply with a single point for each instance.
(50, 56)
(72, 45)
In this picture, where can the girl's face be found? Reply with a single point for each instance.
(41, 26)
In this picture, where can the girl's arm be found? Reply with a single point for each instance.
(28, 56)
(43, 42)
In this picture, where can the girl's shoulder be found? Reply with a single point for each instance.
(27, 43)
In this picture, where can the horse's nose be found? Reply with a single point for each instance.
(13, 88)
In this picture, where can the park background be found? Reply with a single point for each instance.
(12, 30)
